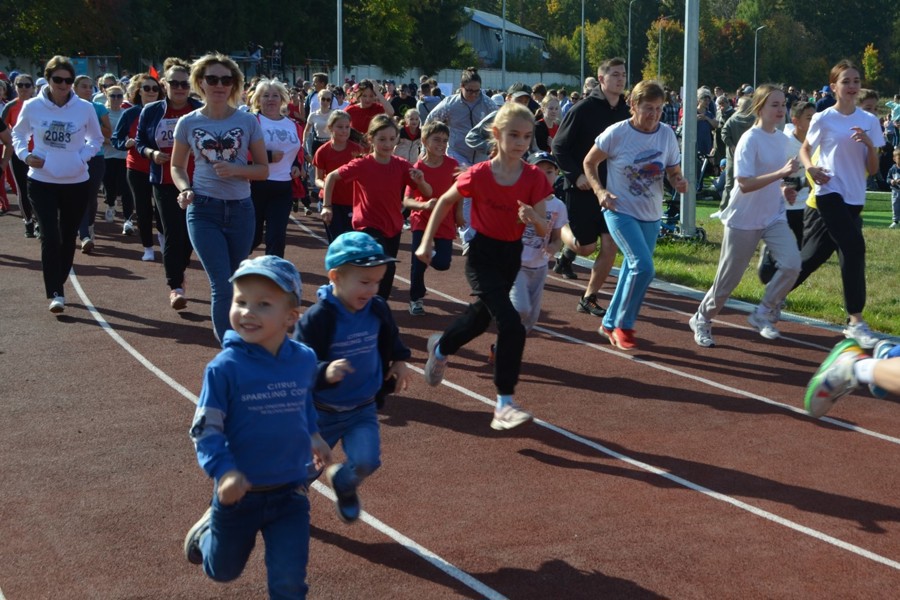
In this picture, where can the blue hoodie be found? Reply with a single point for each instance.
(256, 413)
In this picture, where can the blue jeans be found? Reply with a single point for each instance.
(221, 232)
(357, 430)
(283, 518)
(443, 253)
(637, 241)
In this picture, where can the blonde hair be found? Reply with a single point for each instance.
(262, 86)
(110, 89)
(545, 103)
(334, 116)
(761, 96)
(647, 90)
(411, 111)
(506, 114)
(198, 70)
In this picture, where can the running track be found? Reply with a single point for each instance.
(670, 472)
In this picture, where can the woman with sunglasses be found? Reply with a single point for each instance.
(114, 179)
(220, 216)
(66, 134)
(143, 89)
(10, 115)
(84, 88)
(155, 137)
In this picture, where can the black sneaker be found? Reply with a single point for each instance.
(348, 504)
(29, 229)
(192, 539)
(588, 304)
(564, 267)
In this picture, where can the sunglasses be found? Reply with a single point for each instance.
(174, 83)
(150, 88)
(225, 80)
(66, 80)
(117, 95)
(326, 98)
(24, 85)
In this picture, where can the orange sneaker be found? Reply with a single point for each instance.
(623, 339)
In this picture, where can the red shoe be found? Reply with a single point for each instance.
(623, 339)
(606, 332)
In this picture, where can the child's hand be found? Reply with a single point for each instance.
(401, 374)
(326, 214)
(416, 175)
(424, 251)
(232, 487)
(430, 204)
(337, 370)
(321, 452)
(526, 212)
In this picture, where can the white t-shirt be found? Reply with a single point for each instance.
(803, 193)
(281, 136)
(637, 163)
(319, 122)
(534, 248)
(831, 132)
(757, 153)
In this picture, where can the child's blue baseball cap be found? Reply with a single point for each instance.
(355, 248)
(281, 271)
(539, 157)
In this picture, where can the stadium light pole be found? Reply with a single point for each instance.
(582, 43)
(339, 77)
(755, 45)
(628, 66)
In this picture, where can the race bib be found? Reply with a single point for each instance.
(165, 133)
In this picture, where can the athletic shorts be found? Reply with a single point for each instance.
(585, 216)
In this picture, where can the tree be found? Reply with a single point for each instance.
(437, 22)
(672, 66)
(871, 66)
(600, 42)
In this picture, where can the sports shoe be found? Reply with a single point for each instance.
(605, 332)
(192, 539)
(29, 229)
(508, 417)
(834, 379)
(348, 505)
(588, 304)
(57, 304)
(860, 332)
(465, 247)
(702, 331)
(149, 255)
(177, 299)
(764, 325)
(882, 349)
(128, 227)
(563, 267)
(110, 215)
(893, 225)
(416, 307)
(623, 339)
(434, 367)
(87, 245)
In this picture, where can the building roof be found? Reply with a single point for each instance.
(494, 22)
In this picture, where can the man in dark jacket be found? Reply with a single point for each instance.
(579, 129)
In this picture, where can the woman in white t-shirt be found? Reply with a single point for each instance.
(756, 212)
(840, 150)
(640, 152)
(272, 198)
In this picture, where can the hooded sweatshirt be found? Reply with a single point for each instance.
(66, 137)
(256, 413)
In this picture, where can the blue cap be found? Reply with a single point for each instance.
(826, 89)
(355, 248)
(279, 270)
(539, 157)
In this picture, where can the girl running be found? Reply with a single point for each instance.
(506, 195)
(379, 181)
(756, 211)
(329, 157)
(410, 144)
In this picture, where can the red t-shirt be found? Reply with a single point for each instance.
(328, 159)
(361, 117)
(173, 113)
(378, 192)
(441, 179)
(12, 117)
(135, 161)
(495, 207)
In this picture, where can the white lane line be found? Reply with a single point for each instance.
(409, 544)
(769, 516)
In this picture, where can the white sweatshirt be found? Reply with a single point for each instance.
(66, 137)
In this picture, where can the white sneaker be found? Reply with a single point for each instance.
(893, 225)
(87, 245)
(416, 307)
(128, 227)
(881, 351)
(110, 214)
(434, 367)
(702, 331)
(860, 332)
(508, 417)
(834, 378)
(148, 255)
(58, 304)
(762, 322)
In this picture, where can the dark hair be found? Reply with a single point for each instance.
(606, 65)
(434, 127)
(470, 74)
(799, 107)
(58, 63)
(539, 88)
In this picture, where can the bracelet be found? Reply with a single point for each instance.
(185, 190)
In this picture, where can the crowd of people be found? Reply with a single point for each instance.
(522, 177)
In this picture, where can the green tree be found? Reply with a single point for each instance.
(437, 23)
(871, 66)
(671, 67)
(600, 44)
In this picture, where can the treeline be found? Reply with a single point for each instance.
(797, 43)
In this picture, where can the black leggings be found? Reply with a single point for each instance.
(58, 208)
(116, 183)
(177, 248)
(391, 247)
(142, 191)
(20, 174)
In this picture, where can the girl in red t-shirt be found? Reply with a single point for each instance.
(330, 157)
(440, 171)
(506, 195)
(379, 181)
(368, 104)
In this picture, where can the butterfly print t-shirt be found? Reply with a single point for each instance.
(218, 140)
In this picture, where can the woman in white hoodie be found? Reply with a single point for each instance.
(66, 135)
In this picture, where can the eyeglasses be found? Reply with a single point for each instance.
(103, 86)
(150, 88)
(66, 80)
(116, 96)
(25, 85)
(175, 84)
(471, 90)
(225, 80)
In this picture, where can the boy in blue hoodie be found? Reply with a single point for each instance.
(361, 360)
(255, 432)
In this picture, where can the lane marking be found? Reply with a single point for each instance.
(417, 549)
(759, 512)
